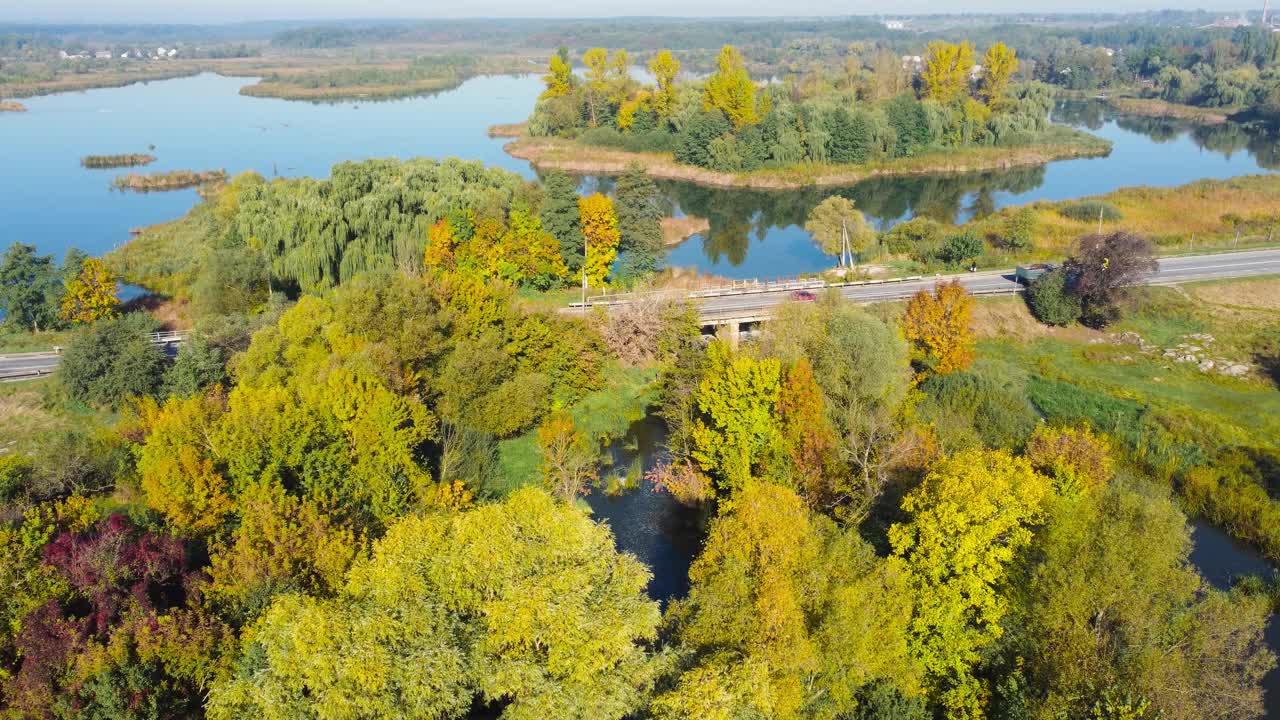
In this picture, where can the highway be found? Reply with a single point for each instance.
(1171, 271)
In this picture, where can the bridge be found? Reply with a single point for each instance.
(15, 367)
(726, 308)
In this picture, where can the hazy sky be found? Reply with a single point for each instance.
(199, 11)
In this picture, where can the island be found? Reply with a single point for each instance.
(172, 180)
(12, 106)
(940, 113)
(100, 162)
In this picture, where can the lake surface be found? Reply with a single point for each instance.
(202, 123)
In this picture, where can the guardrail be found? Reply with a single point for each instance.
(738, 288)
(24, 374)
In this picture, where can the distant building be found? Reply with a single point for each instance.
(103, 55)
(895, 24)
(912, 62)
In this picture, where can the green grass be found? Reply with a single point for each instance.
(17, 340)
(605, 414)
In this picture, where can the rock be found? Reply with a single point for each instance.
(1235, 370)
(1206, 366)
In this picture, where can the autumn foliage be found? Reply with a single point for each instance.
(600, 230)
(91, 295)
(939, 326)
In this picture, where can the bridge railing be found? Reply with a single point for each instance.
(735, 288)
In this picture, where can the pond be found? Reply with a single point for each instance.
(203, 122)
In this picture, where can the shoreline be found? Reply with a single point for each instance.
(1155, 108)
(12, 106)
(573, 157)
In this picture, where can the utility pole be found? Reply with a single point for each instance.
(1100, 208)
(584, 273)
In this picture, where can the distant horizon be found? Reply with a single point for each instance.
(232, 12)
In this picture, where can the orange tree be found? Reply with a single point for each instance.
(939, 325)
(91, 295)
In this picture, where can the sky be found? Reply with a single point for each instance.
(219, 11)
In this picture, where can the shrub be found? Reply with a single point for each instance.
(1019, 231)
(111, 360)
(919, 237)
(199, 364)
(987, 406)
(1051, 301)
(958, 249)
(1077, 459)
(1088, 210)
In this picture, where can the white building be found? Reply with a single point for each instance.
(895, 24)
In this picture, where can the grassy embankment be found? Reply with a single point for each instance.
(1214, 438)
(1203, 216)
(116, 161)
(172, 180)
(1057, 143)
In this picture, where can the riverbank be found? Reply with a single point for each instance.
(173, 180)
(382, 81)
(1153, 107)
(12, 106)
(575, 157)
(101, 162)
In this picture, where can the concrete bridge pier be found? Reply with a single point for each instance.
(729, 330)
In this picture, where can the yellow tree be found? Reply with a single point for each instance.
(600, 232)
(91, 295)
(598, 77)
(559, 78)
(619, 77)
(569, 458)
(664, 67)
(730, 89)
(970, 517)
(946, 72)
(441, 242)
(999, 64)
(939, 325)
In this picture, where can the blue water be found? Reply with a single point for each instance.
(202, 123)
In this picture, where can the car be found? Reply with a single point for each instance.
(803, 296)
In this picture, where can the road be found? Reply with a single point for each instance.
(15, 367)
(757, 305)
(25, 366)
(1171, 271)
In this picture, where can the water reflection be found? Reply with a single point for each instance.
(760, 233)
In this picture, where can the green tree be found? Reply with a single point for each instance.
(730, 90)
(27, 286)
(1051, 301)
(787, 616)
(969, 519)
(736, 433)
(524, 602)
(561, 218)
(835, 218)
(112, 360)
(1110, 603)
(596, 61)
(198, 365)
(639, 214)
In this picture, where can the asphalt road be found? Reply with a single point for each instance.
(1171, 271)
(24, 366)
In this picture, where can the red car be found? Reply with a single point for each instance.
(803, 296)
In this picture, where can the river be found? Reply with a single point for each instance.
(203, 122)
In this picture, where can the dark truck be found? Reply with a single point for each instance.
(1027, 273)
